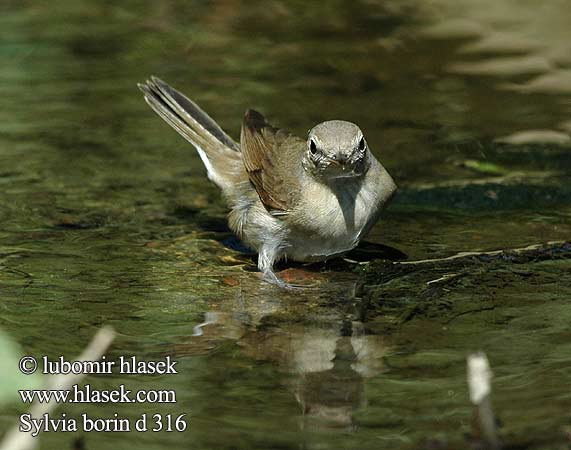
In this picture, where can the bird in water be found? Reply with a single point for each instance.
(304, 200)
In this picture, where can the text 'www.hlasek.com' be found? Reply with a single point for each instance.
(87, 394)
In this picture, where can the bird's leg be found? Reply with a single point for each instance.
(267, 256)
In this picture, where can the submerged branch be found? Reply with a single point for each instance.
(531, 251)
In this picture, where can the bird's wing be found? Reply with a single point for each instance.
(264, 149)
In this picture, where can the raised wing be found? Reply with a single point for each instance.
(265, 150)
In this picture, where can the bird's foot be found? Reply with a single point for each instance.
(270, 277)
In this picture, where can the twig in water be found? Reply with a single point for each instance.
(479, 383)
(17, 440)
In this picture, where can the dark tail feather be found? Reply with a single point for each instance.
(220, 154)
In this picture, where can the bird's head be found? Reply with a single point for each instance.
(336, 149)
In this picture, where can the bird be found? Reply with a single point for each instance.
(289, 198)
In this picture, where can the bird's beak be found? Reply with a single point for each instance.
(339, 161)
(341, 168)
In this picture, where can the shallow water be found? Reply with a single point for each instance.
(107, 216)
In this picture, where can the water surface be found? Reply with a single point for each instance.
(108, 218)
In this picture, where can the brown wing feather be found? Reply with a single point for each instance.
(260, 142)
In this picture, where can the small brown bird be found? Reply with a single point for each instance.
(288, 198)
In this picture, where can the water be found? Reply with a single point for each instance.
(108, 218)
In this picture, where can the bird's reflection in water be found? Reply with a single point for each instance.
(326, 364)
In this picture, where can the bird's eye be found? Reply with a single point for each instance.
(362, 144)
(312, 146)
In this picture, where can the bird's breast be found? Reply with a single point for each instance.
(330, 219)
